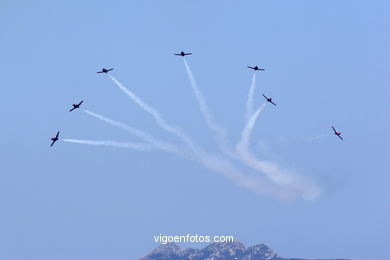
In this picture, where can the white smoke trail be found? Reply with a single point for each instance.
(249, 102)
(157, 143)
(202, 103)
(305, 187)
(157, 117)
(219, 132)
(254, 183)
(135, 146)
(222, 165)
(212, 162)
(247, 132)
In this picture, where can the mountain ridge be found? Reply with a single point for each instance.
(218, 251)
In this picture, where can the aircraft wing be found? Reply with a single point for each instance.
(334, 129)
(251, 67)
(58, 133)
(72, 109)
(188, 53)
(81, 102)
(340, 137)
(273, 103)
(53, 143)
(99, 72)
(178, 54)
(265, 96)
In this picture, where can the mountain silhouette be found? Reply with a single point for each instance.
(217, 251)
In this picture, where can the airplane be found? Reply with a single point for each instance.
(182, 53)
(76, 105)
(255, 68)
(104, 70)
(338, 133)
(269, 99)
(54, 139)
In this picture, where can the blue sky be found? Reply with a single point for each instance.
(326, 64)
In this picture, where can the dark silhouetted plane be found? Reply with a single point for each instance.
(76, 105)
(104, 70)
(338, 133)
(255, 68)
(55, 139)
(182, 54)
(269, 99)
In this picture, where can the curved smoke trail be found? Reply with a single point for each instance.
(219, 132)
(278, 184)
(306, 188)
(210, 161)
(157, 143)
(202, 103)
(247, 131)
(249, 102)
(249, 181)
(157, 117)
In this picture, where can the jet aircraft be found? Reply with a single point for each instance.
(104, 70)
(76, 105)
(55, 139)
(269, 99)
(338, 133)
(255, 68)
(182, 53)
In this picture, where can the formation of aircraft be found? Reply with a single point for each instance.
(104, 70)
(55, 138)
(76, 105)
(338, 133)
(255, 68)
(182, 54)
(269, 99)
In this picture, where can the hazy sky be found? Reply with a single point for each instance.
(326, 64)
